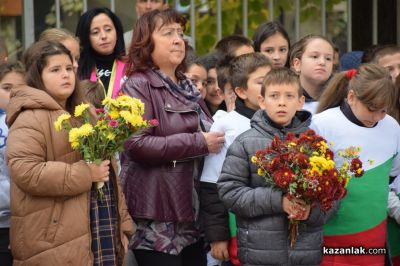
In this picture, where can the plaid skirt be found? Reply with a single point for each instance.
(103, 222)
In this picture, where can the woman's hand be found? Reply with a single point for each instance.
(215, 140)
(100, 173)
(219, 250)
(297, 209)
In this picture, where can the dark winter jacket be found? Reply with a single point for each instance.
(261, 222)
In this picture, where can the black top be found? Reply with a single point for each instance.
(348, 113)
(243, 109)
(104, 65)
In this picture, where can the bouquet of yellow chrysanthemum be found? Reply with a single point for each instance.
(116, 122)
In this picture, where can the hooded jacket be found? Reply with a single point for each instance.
(50, 187)
(262, 225)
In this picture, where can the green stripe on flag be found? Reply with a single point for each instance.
(232, 224)
(394, 237)
(365, 205)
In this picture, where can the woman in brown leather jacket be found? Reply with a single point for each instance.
(160, 167)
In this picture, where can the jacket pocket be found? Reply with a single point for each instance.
(54, 221)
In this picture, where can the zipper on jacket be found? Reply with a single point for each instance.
(166, 108)
(174, 162)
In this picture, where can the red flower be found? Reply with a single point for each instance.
(113, 123)
(355, 165)
(154, 122)
(329, 154)
(99, 110)
(283, 177)
(290, 136)
(275, 144)
(260, 153)
(359, 173)
(301, 159)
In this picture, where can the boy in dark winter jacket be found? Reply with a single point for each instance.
(262, 212)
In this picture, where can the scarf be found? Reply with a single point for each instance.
(186, 89)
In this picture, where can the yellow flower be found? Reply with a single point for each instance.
(291, 144)
(124, 101)
(136, 121)
(114, 114)
(253, 159)
(60, 121)
(106, 101)
(85, 130)
(352, 152)
(110, 136)
(126, 115)
(75, 145)
(319, 164)
(260, 171)
(80, 109)
(137, 107)
(101, 125)
(74, 135)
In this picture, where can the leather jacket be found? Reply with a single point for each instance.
(158, 164)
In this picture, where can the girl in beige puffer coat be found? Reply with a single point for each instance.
(54, 221)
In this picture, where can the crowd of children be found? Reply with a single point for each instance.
(189, 185)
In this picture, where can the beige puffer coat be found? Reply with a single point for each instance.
(50, 187)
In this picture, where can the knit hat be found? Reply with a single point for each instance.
(350, 60)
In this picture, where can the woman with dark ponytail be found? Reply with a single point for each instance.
(353, 112)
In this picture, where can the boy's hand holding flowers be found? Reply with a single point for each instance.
(296, 209)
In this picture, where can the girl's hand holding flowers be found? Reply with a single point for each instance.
(101, 172)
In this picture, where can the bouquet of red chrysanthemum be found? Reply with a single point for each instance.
(304, 168)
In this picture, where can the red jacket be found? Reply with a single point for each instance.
(159, 165)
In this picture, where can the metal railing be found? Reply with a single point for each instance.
(28, 19)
